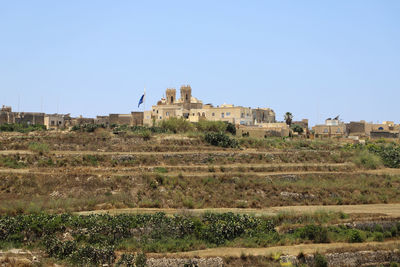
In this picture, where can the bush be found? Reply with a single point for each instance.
(367, 160)
(40, 148)
(146, 135)
(390, 155)
(320, 260)
(378, 236)
(316, 233)
(231, 128)
(355, 236)
(130, 260)
(89, 128)
(297, 128)
(211, 126)
(220, 139)
(22, 128)
(176, 125)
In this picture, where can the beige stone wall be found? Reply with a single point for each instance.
(263, 132)
(56, 121)
(136, 118)
(105, 120)
(235, 115)
(263, 115)
(330, 130)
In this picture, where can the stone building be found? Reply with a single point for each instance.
(263, 115)
(133, 119)
(104, 120)
(194, 110)
(331, 128)
(29, 118)
(386, 129)
(56, 121)
(6, 115)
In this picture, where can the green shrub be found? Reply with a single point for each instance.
(211, 126)
(231, 128)
(91, 160)
(394, 231)
(146, 135)
(297, 128)
(355, 236)
(367, 160)
(176, 125)
(131, 260)
(220, 139)
(20, 127)
(11, 162)
(316, 233)
(89, 128)
(378, 236)
(160, 170)
(389, 153)
(40, 148)
(320, 260)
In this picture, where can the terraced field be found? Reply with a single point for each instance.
(105, 173)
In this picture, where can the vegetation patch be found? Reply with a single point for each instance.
(22, 128)
(40, 148)
(220, 139)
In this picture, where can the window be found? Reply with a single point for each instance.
(160, 117)
(380, 128)
(172, 99)
(325, 130)
(52, 122)
(186, 97)
(59, 122)
(228, 114)
(167, 113)
(222, 115)
(157, 111)
(242, 115)
(338, 130)
(213, 114)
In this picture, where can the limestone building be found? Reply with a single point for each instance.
(56, 121)
(331, 128)
(29, 118)
(194, 110)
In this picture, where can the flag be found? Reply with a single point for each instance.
(141, 100)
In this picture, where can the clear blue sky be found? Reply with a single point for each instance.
(317, 59)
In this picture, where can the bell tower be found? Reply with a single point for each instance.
(171, 96)
(186, 93)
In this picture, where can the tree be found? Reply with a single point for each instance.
(297, 128)
(288, 118)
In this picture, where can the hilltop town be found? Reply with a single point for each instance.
(192, 184)
(253, 122)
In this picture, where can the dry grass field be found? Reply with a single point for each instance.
(291, 182)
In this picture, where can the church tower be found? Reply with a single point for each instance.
(186, 93)
(171, 96)
(186, 96)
